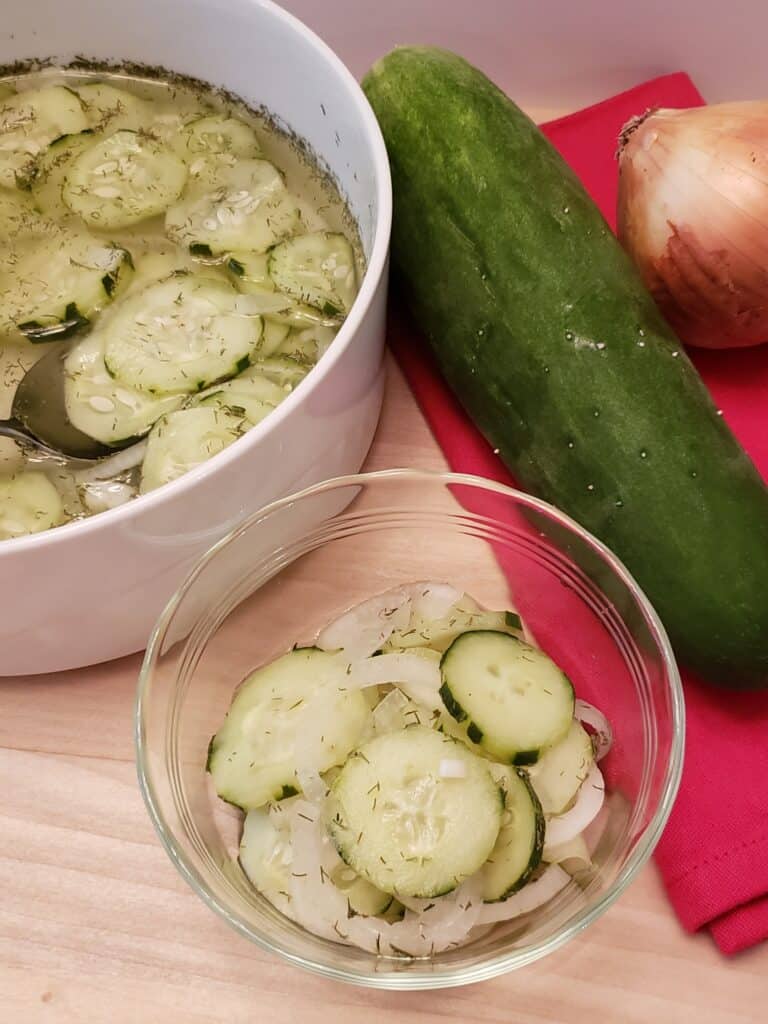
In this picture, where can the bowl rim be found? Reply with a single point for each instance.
(375, 268)
(502, 962)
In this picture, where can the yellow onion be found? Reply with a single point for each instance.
(693, 214)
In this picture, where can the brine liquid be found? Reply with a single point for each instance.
(320, 203)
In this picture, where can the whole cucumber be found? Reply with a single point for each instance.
(544, 330)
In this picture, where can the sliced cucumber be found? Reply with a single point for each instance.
(363, 898)
(19, 220)
(179, 336)
(515, 700)
(216, 134)
(405, 823)
(265, 852)
(204, 173)
(307, 345)
(300, 317)
(47, 182)
(253, 755)
(250, 271)
(248, 209)
(439, 633)
(560, 771)
(272, 338)
(30, 121)
(287, 373)
(153, 266)
(111, 109)
(266, 857)
(184, 439)
(123, 179)
(58, 281)
(29, 503)
(317, 269)
(518, 849)
(251, 398)
(101, 406)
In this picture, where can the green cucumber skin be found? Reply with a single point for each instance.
(546, 333)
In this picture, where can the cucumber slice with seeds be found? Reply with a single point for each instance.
(317, 269)
(216, 134)
(404, 823)
(29, 503)
(560, 771)
(184, 439)
(253, 755)
(515, 700)
(58, 281)
(30, 121)
(179, 336)
(518, 849)
(102, 407)
(249, 208)
(123, 179)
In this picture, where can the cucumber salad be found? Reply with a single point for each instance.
(186, 257)
(418, 774)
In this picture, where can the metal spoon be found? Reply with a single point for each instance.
(39, 417)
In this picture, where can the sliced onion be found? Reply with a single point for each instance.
(561, 828)
(534, 895)
(418, 677)
(573, 855)
(602, 734)
(258, 303)
(431, 599)
(363, 629)
(315, 721)
(114, 465)
(100, 495)
(396, 711)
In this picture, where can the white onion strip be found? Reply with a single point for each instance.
(363, 629)
(574, 853)
(418, 677)
(532, 896)
(113, 465)
(431, 600)
(561, 828)
(602, 734)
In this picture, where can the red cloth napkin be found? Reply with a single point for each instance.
(713, 855)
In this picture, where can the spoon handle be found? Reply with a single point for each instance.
(16, 430)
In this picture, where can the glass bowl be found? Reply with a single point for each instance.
(290, 568)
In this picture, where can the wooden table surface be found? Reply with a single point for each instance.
(97, 926)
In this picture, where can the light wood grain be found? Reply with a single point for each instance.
(96, 926)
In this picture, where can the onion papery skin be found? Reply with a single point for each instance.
(693, 215)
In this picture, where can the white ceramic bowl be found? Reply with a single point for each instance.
(91, 590)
